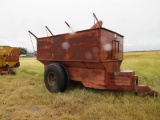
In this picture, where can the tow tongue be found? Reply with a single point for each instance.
(127, 80)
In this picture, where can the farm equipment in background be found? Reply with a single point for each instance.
(9, 58)
(91, 56)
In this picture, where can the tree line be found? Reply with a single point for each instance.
(23, 51)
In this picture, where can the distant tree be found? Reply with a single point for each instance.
(23, 51)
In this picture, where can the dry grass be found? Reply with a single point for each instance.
(24, 96)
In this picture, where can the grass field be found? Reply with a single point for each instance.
(24, 96)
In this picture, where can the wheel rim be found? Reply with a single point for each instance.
(52, 79)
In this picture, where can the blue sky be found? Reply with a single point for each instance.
(137, 20)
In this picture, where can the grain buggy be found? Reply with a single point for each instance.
(9, 58)
(91, 56)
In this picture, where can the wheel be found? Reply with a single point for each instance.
(66, 78)
(17, 64)
(55, 78)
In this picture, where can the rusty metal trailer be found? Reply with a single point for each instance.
(9, 58)
(91, 56)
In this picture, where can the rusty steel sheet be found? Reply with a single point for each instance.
(9, 58)
(13, 57)
(89, 45)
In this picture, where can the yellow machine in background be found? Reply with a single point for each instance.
(9, 58)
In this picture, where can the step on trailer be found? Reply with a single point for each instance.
(9, 58)
(91, 56)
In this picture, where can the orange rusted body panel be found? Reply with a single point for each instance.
(92, 56)
(87, 45)
(9, 58)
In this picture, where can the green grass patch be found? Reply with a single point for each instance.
(24, 95)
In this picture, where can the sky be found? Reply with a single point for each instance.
(137, 20)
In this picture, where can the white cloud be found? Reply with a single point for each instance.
(137, 20)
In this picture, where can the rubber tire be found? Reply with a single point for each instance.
(66, 78)
(57, 71)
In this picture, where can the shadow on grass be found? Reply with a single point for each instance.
(78, 85)
(119, 93)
